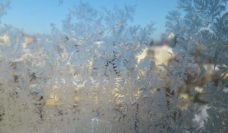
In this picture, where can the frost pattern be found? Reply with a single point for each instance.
(102, 74)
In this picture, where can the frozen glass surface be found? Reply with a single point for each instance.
(124, 66)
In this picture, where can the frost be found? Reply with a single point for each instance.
(101, 73)
(201, 117)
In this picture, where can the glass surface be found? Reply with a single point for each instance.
(113, 66)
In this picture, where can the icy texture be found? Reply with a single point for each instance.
(100, 74)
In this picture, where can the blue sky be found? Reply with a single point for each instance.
(36, 15)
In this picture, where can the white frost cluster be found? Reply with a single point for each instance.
(99, 75)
